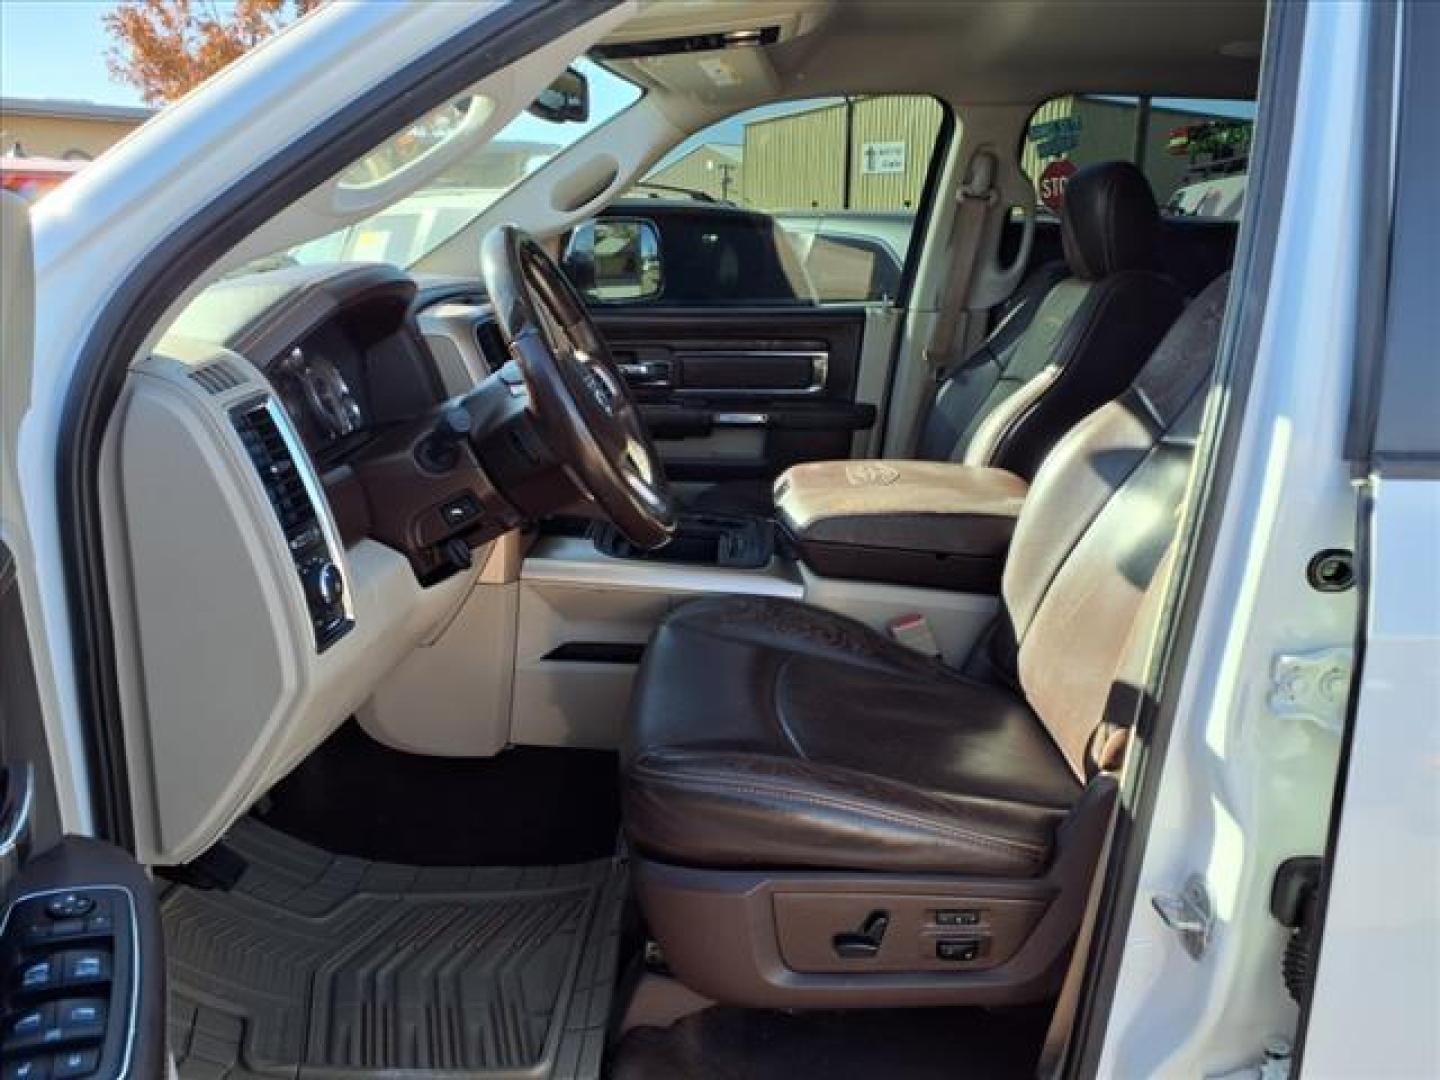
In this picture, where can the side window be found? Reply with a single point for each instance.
(1194, 151)
(804, 202)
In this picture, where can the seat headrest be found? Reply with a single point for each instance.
(1110, 220)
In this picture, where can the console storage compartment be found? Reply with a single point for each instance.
(926, 523)
(744, 543)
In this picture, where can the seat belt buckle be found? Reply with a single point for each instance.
(913, 631)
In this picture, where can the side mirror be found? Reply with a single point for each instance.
(565, 99)
(614, 260)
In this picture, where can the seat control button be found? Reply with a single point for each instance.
(957, 917)
(69, 906)
(957, 949)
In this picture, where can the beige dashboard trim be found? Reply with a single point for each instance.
(224, 691)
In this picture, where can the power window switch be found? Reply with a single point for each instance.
(36, 1068)
(69, 1064)
(957, 949)
(81, 1018)
(28, 1024)
(86, 967)
(32, 1029)
(38, 976)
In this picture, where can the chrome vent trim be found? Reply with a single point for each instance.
(296, 497)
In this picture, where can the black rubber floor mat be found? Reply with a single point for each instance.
(326, 966)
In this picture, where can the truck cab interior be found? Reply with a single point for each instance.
(680, 618)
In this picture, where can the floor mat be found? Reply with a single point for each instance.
(353, 796)
(904, 1044)
(317, 965)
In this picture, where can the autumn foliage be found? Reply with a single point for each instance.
(165, 47)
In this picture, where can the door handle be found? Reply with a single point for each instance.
(646, 373)
(17, 804)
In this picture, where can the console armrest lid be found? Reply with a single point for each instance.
(917, 505)
(923, 523)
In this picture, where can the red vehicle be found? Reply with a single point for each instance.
(34, 177)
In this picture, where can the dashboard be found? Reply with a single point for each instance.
(339, 344)
(283, 544)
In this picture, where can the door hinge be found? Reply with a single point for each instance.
(1191, 914)
(1313, 686)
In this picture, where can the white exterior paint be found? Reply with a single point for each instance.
(121, 208)
(1244, 789)
(1376, 1008)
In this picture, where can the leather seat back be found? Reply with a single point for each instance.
(1099, 518)
(1073, 342)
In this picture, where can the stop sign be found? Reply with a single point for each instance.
(1053, 180)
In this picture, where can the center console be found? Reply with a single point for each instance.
(740, 542)
(874, 540)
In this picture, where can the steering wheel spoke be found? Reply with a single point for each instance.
(583, 405)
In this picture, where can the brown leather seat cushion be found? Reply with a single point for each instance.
(769, 733)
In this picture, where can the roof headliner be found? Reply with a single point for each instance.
(1020, 51)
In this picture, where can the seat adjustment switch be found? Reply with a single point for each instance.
(864, 943)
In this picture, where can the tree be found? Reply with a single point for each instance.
(163, 48)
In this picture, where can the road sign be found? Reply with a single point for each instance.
(882, 157)
(1053, 180)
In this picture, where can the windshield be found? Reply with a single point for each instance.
(410, 228)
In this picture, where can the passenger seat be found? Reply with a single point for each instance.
(1074, 342)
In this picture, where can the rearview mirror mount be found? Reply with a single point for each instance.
(567, 99)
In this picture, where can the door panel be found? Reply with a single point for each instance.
(82, 955)
(742, 392)
(82, 965)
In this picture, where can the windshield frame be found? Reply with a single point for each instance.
(436, 218)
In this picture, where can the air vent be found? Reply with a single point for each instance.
(218, 377)
(492, 344)
(275, 458)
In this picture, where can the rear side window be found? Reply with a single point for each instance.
(798, 202)
(1194, 151)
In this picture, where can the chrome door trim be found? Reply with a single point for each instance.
(819, 371)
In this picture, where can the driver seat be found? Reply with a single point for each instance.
(824, 818)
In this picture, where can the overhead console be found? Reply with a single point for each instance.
(712, 51)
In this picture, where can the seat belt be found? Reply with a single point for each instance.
(976, 196)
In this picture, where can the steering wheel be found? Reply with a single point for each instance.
(578, 398)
